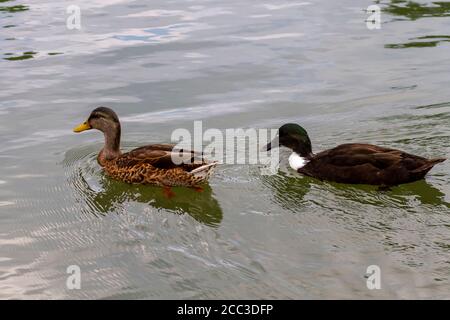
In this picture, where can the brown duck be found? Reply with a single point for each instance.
(355, 163)
(157, 164)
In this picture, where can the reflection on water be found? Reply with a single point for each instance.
(423, 191)
(160, 34)
(420, 44)
(26, 55)
(13, 9)
(291, 193)
(415, 10)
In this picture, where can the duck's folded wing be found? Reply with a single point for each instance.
(359, 148)
(163, 156)
(351, 155)
(159, 146)
(167, 147)
(378, 160)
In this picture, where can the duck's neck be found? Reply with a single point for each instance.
(111, 150)
(296, 161)
(302, 154)
(304, 151)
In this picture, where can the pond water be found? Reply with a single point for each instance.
(163, 64)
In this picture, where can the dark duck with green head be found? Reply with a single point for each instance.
(355, 163)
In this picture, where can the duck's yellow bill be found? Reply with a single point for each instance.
(82, 127)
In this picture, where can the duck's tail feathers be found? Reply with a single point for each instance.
(205, 171)
(438, 160)
(427, 166)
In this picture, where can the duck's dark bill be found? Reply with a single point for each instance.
(273, 144)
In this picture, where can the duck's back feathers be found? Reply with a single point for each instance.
(163, 156)
(367, 164)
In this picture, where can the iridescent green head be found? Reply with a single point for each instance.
(294, 137)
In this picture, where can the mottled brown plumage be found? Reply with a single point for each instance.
(158, 164)
(355, 163)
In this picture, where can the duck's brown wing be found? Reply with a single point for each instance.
(162, 156)
(165, 147)
(349, 155)
(366, 164)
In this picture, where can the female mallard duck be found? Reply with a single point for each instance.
(355, 163)
(158, 164)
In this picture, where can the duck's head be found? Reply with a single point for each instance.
(103, 119)
(294, 137)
